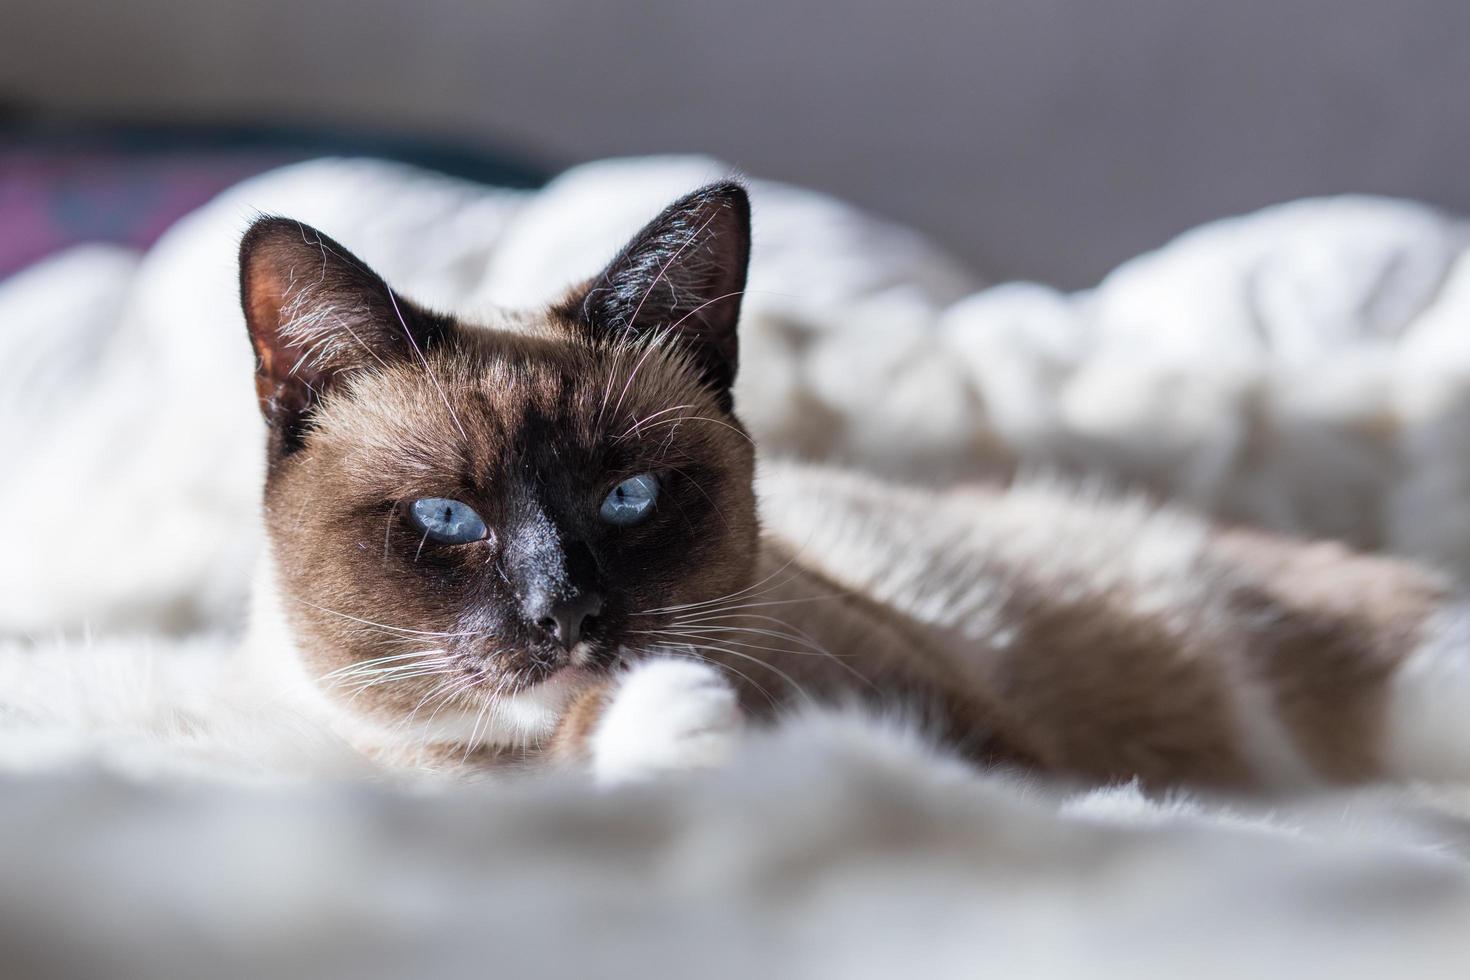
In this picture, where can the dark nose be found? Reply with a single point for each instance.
(565, 620)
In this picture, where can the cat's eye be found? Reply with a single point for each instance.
(631, 501)
(446, 521)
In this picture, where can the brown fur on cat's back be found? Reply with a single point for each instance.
(1328, 629)
(1116, 639)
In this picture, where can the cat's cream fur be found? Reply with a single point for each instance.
(1078, 634)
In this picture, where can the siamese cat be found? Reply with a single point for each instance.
(542, 540)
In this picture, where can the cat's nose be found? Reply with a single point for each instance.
(566, 619)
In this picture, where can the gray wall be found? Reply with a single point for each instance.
(1041, 138)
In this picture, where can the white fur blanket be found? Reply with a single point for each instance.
(164, 814)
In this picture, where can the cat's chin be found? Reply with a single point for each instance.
(495, 721)
(563, 683)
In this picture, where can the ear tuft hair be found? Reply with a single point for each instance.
(315, 313)
(684, 272)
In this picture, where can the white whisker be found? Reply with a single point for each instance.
(427, 370)
(381, 626)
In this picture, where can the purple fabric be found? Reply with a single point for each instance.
(54, 197)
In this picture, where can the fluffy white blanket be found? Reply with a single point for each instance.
(165, 814)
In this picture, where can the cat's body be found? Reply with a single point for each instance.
(1089, 635)
(593, 584)
(1110, 638)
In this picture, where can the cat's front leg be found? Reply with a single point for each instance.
(662, 716)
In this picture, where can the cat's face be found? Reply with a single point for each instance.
(464, 515)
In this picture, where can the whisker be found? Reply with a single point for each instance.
(695, 656)
(708, 302)
(759, 663)
(649, 346)
(711, 630)
(701, 647)
(702, 492)
(612, 376)
(795, 632)
(813, 649)
(633, 320)
(453, 691)
(440, 697)
(776, 602)
(363, 665)
(401, 672)
(705, 418)
(381, 626)
(434, 692)
(427, 370)
(634, 427)
(380, 681)
(731, 595)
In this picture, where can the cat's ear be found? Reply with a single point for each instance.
(685, 273)
(317, 313)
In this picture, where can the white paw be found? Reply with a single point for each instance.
(666, 716)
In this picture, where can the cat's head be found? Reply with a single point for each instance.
(466, 514)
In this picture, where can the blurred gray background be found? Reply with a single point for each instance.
(1048, 139)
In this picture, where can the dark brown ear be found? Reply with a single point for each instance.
(684, 272)
(317, 313)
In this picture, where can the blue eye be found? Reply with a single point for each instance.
(446, 521)
(630, 501)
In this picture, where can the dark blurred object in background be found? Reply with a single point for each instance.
(1046, 138)
(63, 184)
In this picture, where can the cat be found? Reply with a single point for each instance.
(545, 541)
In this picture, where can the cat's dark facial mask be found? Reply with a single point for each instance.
(519, 499)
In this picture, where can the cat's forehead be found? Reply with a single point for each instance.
(552, 374)
(501, 395)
